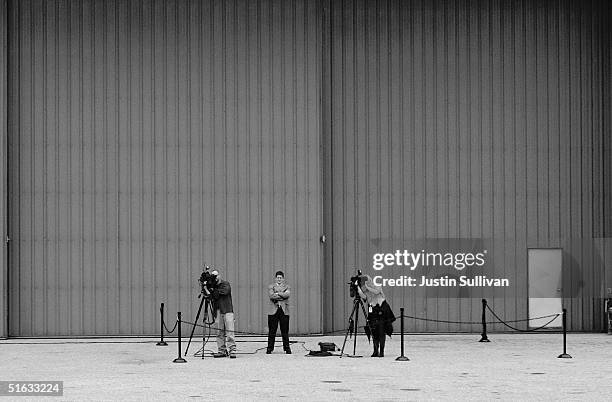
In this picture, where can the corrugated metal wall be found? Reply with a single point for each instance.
(607, 142)
(477, 120)
(150, 137)
(3, 168)
(146, 137)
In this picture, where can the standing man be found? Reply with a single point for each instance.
(278, 311)
(224, 311)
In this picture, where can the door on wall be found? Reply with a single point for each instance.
(545, 278)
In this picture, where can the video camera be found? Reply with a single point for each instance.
(354, 282)
(208, 281)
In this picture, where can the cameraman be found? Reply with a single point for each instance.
(380, 315)
(224, 310)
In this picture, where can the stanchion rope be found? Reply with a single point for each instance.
(173, 328)
(499, 320)
(524, 330)
(406, 316)
(479, 322)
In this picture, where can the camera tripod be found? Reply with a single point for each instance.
(208, 312)
(354, 324)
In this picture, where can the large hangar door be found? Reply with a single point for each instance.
(455, 120)
(149, 137)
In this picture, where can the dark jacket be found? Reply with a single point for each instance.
(222, 298)
(382, 315)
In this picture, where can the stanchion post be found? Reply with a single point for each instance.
(179, 359)
(609, 314)
(564, 355)
(402, 358)
(161, 327)
(483, 336)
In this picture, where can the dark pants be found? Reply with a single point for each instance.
(273, 321)
(378, 338)
(377, 325)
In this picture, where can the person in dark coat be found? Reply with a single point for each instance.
(380, 315)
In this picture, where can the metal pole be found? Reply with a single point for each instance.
(402, 358)
(161, 327)
(564, 355)
(356, 328)
(483, 336)
(179, 359)
(609, 315)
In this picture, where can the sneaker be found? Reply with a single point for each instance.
(232, 355)
(288, 351)
(219, 354)
(268, 351)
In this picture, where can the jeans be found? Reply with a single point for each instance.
(225, 336)
(273, 321)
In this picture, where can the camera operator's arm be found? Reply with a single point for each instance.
(361, 294)
(284, 294)
(272, 294)
(374, 289)
(223, 289)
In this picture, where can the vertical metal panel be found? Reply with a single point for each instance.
(607, 119)
(4, 123)
(607, 145)
(150, 137)
(478, 120)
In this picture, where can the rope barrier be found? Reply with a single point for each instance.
(208, 325)
(173, 328)
(499, 320)
(406, 316)
(477, 322)
(524, 330)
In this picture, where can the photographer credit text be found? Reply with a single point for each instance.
(422, 260)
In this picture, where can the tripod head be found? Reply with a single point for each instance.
(209, 281)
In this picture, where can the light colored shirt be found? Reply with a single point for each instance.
(373, 294)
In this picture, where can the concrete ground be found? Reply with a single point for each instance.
(441, 367)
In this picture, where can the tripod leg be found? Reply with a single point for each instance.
(365, 313)
(204, 319)
(348, 329)
(194, 324)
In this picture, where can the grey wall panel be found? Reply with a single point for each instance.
(151, 137)
(146, 137)
(4, 124)
(472, 120)
(607, 122)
